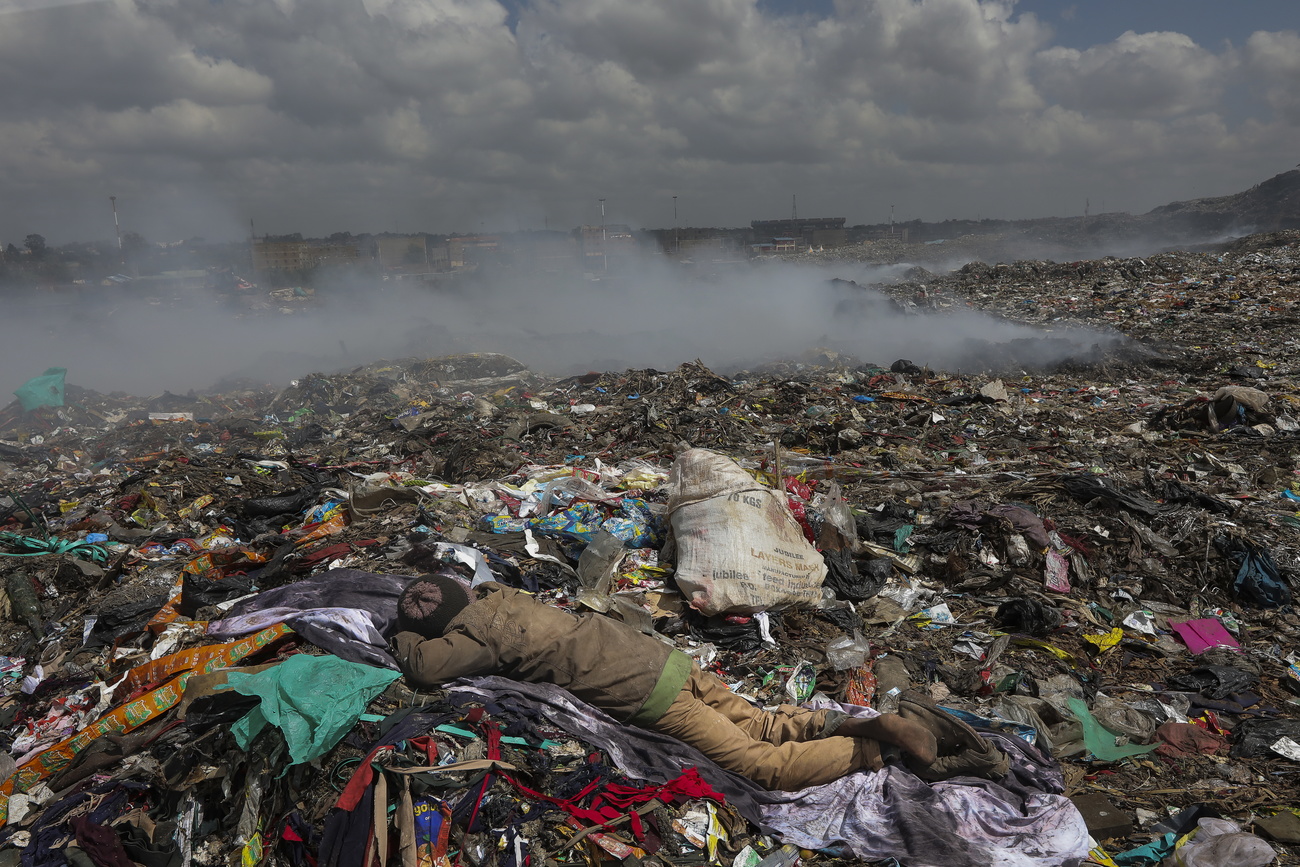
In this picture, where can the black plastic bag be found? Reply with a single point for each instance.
(1028, 616)
(849, 582)
(290, 502)
(1213, 681)
(737, 634)
(199, 591)
(1258, 580)
(1085, 489)
(1255, 737)
(123, 614)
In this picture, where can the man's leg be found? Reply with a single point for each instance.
(786, 766)
(788, 723)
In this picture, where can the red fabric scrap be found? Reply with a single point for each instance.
(1183, 739)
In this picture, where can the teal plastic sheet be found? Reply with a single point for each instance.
(43, 390)
(313, 700)
(1099, 740)
(1152, 853)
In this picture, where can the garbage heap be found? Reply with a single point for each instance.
(1093, 565)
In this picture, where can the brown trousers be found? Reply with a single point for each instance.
(780, 750)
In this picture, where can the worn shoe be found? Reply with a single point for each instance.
(962, 752)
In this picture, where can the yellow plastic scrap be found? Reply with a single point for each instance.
(716, 833)
(1097, 855)
(197, 506)
(251, 854)
(1063, 655)
(642, 480)
(1107, 640)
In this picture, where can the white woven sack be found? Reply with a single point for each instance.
(739, 550)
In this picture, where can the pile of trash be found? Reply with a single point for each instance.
(1094, 566)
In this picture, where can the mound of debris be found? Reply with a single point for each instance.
(1093, 566)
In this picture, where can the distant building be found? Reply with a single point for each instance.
(335, 254)
(806, 232)
(299, 255)
(280, 256)
(605, 246)
(402, 252)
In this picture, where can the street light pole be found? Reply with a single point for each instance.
(677, 247)
(604, 253)
(118, 229)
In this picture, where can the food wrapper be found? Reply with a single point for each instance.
(432, 827)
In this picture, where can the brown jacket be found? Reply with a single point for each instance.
(603, 662)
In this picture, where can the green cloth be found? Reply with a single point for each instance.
(43, 390)
(314, 700)
(1099, 740)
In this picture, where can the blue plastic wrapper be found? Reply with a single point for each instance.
(324, 511)
(635, 524)
(580, 522)
(505, 524)
(1026, 733)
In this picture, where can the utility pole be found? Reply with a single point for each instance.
(676, 245)
(121, 257)
(604, 253)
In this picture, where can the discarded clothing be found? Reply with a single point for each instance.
(887, 814)
(312, 718)
(1184, 739)
(375, 595)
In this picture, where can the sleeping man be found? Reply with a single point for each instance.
(639, 680)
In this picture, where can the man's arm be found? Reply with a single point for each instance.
(432, 661)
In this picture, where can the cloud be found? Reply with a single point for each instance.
(1273, 62)
(1137, 75)
(440, 114)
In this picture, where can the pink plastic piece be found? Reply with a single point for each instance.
(1201, 635)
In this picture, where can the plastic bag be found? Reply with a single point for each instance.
(848, 652)
(1258, 580)
(43, 390)
(834, 509)
(1028, 616)
(596, 569)
(1255, 737)
(739, 548)
(209, 588)
(849, 582)
(1221, 843)
(1213, 681)
(1122, 718)
(1099, 741)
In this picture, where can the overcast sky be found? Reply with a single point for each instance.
(319, 116)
